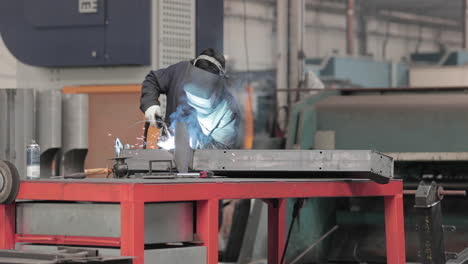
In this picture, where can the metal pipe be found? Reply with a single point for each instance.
(296, 26)
(282, 59)
(300, 51)
(465, 24)
(443, 192)
(362, 29)
(452, 193)
(350, 27)
(453, 185)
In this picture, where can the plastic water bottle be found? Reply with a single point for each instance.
(33, 161)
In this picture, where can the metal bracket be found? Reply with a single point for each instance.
(159, 161)
(427, 195)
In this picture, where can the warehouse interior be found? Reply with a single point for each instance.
(234, 131)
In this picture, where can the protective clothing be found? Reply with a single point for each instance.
(204, 89)
(198, 98)
(152, 112)
(218, 65)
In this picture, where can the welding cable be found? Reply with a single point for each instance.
(297, 208)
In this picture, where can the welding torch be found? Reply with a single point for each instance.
(164, 132)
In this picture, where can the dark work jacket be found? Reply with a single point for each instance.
(169, 81)
(166, 81)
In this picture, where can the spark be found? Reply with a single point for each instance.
(118, 147)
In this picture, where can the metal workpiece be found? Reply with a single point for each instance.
(75, 133)
(49, 127)
(431, 235)
(60, 255)
(305, 163)
(164, 222)
(427, 194)
(139, 159)
(183, 153)
(275, 163)
(17, 125)
(191, 254)
(429, 223)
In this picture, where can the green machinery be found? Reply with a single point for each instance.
(425, 130)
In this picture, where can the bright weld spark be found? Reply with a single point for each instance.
(168, 144)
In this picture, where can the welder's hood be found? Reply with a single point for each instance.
(204, 89)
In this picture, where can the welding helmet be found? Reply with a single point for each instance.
(203, 89)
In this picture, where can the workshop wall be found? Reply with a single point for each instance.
(325, 33)
(7, 67)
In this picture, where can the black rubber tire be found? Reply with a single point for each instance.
(11, 182)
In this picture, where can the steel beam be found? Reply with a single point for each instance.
(275, 163)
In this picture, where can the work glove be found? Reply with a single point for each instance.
(151, 113)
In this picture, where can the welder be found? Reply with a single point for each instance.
(197, 94)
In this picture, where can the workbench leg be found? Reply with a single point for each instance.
(207, 227)
(7, 226)
(395, 229)
(276, 230)
(132, 239)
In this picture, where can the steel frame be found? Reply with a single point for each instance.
(132, 197)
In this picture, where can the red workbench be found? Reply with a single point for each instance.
(132, 194)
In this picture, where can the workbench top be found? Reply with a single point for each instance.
(197, 180)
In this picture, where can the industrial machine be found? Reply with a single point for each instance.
(428, 209)
(343, 71)
(423, 129)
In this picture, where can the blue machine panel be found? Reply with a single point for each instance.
(59, 13)
(53, 33)
(210, 25)
(365, 72)
(455, 58)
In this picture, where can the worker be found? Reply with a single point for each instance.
(197, 95)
